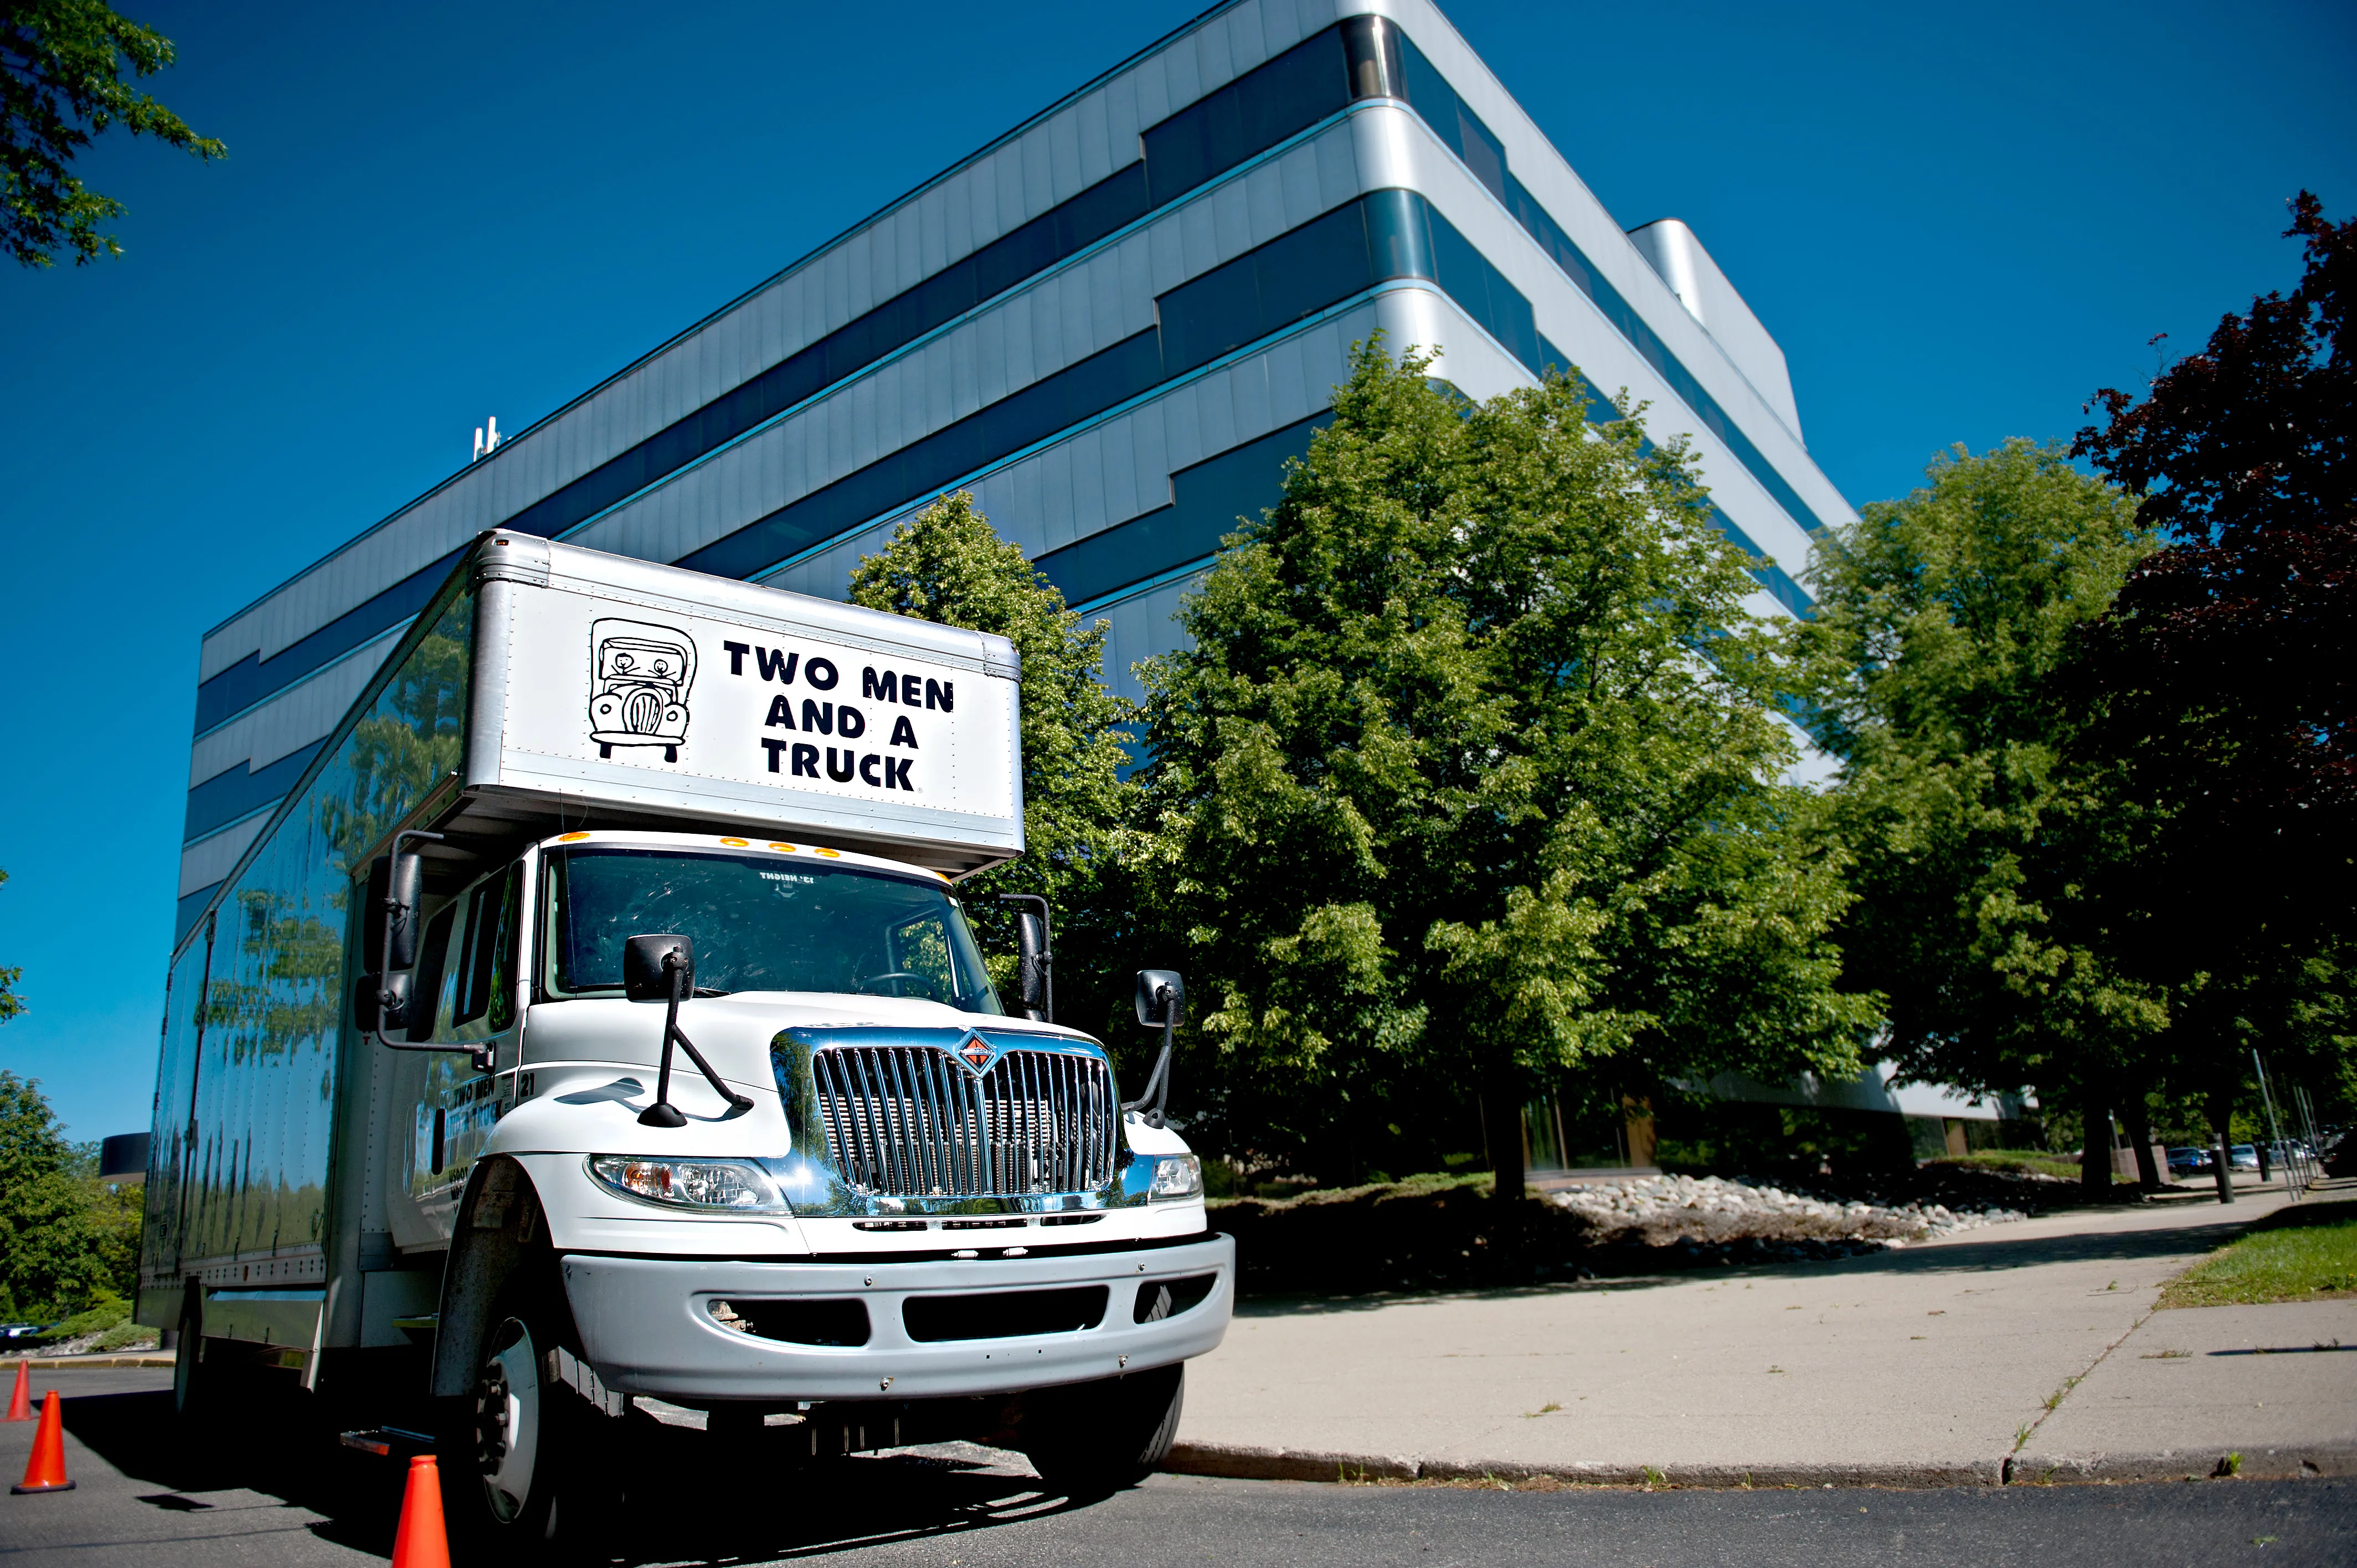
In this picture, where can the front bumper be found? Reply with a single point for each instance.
(646, 1324)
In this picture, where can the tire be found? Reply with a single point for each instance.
(1095, 1438)
(519, 1478)
(193, 1382)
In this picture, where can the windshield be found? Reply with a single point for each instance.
(760, 923)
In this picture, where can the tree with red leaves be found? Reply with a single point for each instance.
(2223, 680)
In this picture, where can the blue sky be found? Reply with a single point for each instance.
(1958, 222)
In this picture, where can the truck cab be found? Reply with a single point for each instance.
(889, 1189)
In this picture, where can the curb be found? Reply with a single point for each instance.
(67, 1363)
(2288, 1463)
(1239, 1460)
(1243, 1462)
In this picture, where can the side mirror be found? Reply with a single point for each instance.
(396, 887)
(1161, 999)
(1030, 975)
(644, 979)
(367, 1015)
(1035, 957)
(1161, 1004)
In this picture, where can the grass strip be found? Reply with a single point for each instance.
(2020, 1162)
(2306, 1253)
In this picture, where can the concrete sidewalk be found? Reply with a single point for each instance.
(2274, 1386)
(1921, 1366)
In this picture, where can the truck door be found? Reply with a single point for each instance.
(471, 950)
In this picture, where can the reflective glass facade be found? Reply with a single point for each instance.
(1119, 465)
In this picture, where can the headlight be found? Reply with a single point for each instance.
(1175, 1176)
(736, 1186)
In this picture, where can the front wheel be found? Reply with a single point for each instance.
(510, 1423)
(1094, 1438)
(516, 1485)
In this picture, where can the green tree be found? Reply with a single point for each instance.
(50, 1260)
(60, 83)
(1945, 623)
(2220, 683)
(1473, 775)
(948, 565)
(116, 1211)
(64, 1235)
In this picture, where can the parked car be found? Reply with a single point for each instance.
(2188, 1161)
(2244, 1157)
(16, 1333)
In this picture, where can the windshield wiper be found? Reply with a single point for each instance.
(712, 991)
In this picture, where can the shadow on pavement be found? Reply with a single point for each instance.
(840, 1505)
(282, 1450)
(1678, 1264)
(2001, 1251)
(273, 1447)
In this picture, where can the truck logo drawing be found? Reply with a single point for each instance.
(638, 677)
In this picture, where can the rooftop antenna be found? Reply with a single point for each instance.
(487, 437)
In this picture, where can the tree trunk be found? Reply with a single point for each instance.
(2138, 1117)
(2095, 1145)
(1501, 1124)
(2221, 1143)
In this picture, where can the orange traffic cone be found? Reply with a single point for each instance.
(20, 1403)
(420, 1542)
(46, 1470)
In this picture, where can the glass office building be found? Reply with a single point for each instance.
(1112, 325)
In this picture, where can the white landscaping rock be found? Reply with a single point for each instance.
(1658, 1210)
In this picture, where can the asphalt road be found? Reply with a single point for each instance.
(245, 1497)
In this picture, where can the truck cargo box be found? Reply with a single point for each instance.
(651, 692)
(543, 687)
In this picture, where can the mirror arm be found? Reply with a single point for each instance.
(482, 1053)
(662, 1112)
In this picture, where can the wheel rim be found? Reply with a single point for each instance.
(507, 1420)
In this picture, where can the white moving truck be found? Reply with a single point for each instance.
(598, 1018)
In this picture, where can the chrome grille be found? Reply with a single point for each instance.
(914, 1122)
